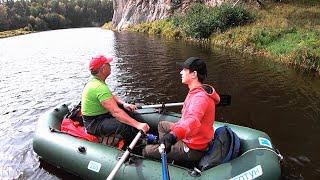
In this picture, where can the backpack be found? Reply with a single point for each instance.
(75, 114)
(224, 147)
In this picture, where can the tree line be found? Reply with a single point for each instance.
(40, 15)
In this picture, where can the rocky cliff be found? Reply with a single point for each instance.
(127, 12)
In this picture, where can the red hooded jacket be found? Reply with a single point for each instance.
(195, 128)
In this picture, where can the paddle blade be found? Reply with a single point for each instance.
(225, 100)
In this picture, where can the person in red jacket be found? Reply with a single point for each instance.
(188, 139)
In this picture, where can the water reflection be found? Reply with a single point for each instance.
(40, 70)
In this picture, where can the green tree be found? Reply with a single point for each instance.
(36, 9)
(40, 25)
(4, 23)
(54, 14)
(55, 21)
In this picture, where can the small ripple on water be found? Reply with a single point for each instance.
(16, 152)
(293, 168)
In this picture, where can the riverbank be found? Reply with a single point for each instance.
(286, 32)
(289, 33)
(5, 34)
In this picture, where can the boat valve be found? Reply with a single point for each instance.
(81, 149)
(195, 172)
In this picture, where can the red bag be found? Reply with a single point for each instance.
(73, 128)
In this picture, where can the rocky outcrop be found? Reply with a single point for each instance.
(127, 12)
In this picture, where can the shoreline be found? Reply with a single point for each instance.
(11, 33)
(288, 33)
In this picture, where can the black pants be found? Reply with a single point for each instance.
(179, 152)
(106, 124)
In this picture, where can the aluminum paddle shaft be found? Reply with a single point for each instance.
(161, 105)
(124, 156)
(165, 170)
(225, 100)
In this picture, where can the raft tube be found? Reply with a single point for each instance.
(89, 160)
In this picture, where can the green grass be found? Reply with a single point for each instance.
(282, 42)
(11, 33)
(160, 27)
(107, 25)
(288, 32)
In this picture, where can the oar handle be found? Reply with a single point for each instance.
(124, 156)
(225, 100)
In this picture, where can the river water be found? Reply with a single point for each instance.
(42, 70)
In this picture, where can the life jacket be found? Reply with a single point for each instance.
(74, 128)
(73, 124)
(224, 147)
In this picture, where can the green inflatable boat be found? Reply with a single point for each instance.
(90, 160)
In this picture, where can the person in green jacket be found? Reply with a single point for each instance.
(100, 108)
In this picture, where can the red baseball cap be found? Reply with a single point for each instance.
(98, 61)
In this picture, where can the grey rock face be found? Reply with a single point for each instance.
(128, 12)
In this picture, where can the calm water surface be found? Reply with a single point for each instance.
(42, 70)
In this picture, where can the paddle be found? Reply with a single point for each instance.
(124, 156)
(225, 100)
(165, 171)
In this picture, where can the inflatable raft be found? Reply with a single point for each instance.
(89, 160)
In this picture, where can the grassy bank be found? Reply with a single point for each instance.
(11, 33)
(287, 32)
